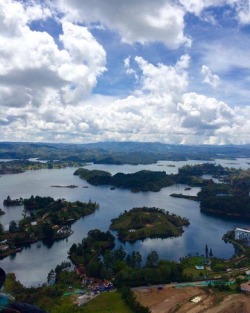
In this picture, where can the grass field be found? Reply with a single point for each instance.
(107, 302)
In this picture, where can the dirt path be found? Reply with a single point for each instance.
(178, 300)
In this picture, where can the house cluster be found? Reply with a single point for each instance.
(242, 234)
(65, 230)
(4, 246)
(93, 284)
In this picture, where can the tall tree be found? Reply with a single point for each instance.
(13, 227)
(206, 251)
(210, 252)
(152, 259)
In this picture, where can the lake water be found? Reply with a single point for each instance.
(35, 261)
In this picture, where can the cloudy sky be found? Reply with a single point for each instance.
(136, 70)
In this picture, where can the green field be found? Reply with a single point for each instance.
(107, 302)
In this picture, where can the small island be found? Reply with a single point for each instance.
(141, 223)
(1, 212)
(12, 202)
(68, 186)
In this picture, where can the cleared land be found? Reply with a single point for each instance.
(178, 300)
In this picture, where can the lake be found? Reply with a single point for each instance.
(36, 260)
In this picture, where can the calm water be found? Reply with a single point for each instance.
(34, 262)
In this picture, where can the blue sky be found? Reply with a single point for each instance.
(86, 71)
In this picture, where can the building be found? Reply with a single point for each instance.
(242, 234)
(245, 287)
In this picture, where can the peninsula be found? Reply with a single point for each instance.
(43, 218)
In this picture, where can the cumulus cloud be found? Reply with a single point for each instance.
(241, 7)
(31, 62)
(46, 84)
(159, 109)
(140, 21)
(163, 78)
(209, 78)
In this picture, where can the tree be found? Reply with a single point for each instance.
(120, 254)
(152, 259)
(13, 227)
(47, 230)
(210, 253)
(136, 259)
(1, 229)
(206, 251)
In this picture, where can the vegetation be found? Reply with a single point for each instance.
(228, 199)
(180, 195)
(91, 247)
(125, 269)
(119, 152)
(151, 180)
(108, 302)
(20, 166)
(140, 181)
(203, 169)
(51, 299)
(140, 223)
(44, 218)
(10, 202)
(131, 301)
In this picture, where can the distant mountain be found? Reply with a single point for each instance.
(119, 152)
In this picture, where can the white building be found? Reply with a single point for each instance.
(242, 234)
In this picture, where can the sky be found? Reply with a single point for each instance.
(172, 71)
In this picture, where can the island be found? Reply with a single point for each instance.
(1, 212)
(140, 181)
(144, 222)
(43, 218)
(146, 180)
(20, 166)
(230, 198)
(68, 186)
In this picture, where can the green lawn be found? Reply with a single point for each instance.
(107, 302)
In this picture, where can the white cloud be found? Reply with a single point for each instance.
(222, 55)
(209, 78)
(31, 63)
(197, 7)
(163, 78)
(158, 110)
(140, 21)
(129, 69)
(46, 87)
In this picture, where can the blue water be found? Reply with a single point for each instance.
(35, 261)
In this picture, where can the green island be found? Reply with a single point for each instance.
(140, 181)
(20, 166)
(141, 223)
(230, 197)
(146, 180)
(43, 218)
(180, 195)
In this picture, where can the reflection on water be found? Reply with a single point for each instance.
(36, 260)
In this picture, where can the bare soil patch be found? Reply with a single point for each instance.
(178, 300)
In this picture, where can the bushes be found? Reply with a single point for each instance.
(131, 301)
